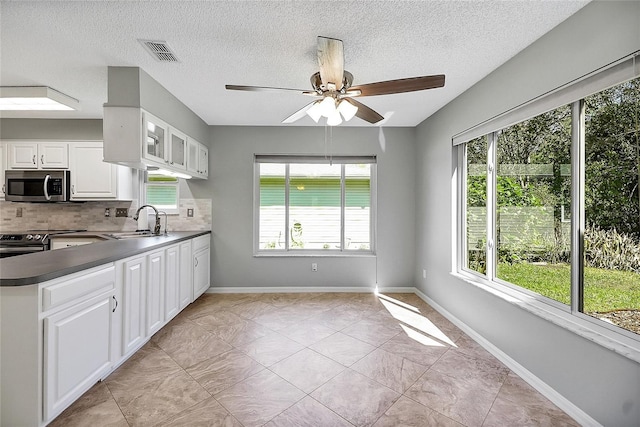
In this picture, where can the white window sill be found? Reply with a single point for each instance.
(581, 325)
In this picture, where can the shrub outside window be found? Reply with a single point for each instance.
(308, 204)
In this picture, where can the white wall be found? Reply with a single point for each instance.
(603, 384)
(231, 187)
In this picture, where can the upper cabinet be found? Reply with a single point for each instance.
(177, 149)
(38, 155)
(93, 179)
(136, 138)
(197, 159)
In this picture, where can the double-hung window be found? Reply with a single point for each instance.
(162, 192)
(549, 198)
(314, 205)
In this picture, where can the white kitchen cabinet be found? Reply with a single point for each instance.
(172, 282)
(201, 262)
(177, 149)
(155, 291)
(77, 351)
(134, 291)
(136, 138)
(197, 158)
(77, 318)
(186, 275)
(155, 133)
(76, 329)
(38, 155)
(203, 160)
(94, 179)
(3, 166)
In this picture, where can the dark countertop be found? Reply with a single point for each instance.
(42, 266)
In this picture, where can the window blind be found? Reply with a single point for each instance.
(622, 70)
(279, 158)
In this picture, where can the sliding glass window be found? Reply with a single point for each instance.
(551, 203)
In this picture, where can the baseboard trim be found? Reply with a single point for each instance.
(547, 391)
(288, 289)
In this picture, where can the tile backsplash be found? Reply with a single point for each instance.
(90, 216)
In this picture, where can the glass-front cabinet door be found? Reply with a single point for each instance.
(177, 149)
(155, 139)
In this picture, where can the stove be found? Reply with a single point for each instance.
(28, 242)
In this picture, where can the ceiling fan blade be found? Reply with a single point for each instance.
(364, 112)
(298, 114)
(265, 89)
(331, 61)
(401, 85)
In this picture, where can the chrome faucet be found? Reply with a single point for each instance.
(156, 227)
(165, 221)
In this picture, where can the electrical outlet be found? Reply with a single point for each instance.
(190, 213)
(314, 266)
(122, 212)
(107, 212)
(18, 212)
(424, 274)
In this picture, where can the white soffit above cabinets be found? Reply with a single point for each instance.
(68, 46)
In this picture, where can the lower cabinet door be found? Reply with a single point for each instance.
(172, 282)
(155, 291)
(201, 272)
(186, 277)
(134, 291)
(77, 352)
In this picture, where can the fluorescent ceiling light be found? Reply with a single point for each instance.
(35, 98)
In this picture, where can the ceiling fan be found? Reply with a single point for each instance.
(334, 93)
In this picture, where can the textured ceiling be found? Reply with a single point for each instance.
(68, 46)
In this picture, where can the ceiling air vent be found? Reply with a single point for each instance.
(160, 50)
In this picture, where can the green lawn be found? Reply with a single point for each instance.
(604, 290)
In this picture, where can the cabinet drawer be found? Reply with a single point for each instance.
(201, 242)
(84, 284)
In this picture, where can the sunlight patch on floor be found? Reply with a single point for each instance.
(416, 321)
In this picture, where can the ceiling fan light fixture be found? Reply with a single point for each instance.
(347, 109)
(328, 107)
(315, 111)
(334, 119)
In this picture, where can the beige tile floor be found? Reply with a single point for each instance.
(331, 359)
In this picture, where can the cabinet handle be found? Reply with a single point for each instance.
(73, 189)
(196, 262)
(34, 159)
(116, 301)
(42, 159)
(3, 187)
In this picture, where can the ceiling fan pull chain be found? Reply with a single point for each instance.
(330, 145)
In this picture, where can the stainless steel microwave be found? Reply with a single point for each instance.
(37, 185)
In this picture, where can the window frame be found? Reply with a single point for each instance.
(168, 211)
(570, 316)
(287, 160)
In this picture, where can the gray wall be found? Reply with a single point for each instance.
(133, 87)
(603, 384)
(230, 185)
(51, 129)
